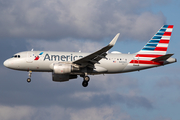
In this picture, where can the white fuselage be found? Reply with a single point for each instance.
(113, 63)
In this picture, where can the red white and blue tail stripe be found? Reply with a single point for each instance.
(159, 42)
(156, 47)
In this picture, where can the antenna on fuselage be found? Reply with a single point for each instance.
(32, 50)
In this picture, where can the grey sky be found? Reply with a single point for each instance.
(90, 19)
(85, 25)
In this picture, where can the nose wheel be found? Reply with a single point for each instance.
(85, 81)
(29, 79)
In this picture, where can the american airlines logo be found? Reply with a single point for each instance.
(37, 57)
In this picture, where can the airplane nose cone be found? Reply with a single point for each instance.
(6, 63)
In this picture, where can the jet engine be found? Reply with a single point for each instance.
(64, 68)
(61, 72)
(62, 77)
(60, 68)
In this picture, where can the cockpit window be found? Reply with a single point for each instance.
(16, 56)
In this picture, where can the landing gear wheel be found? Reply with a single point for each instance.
(84, 83)
(29, 80)
(86, 78)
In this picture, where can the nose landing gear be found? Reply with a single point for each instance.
(29, 79)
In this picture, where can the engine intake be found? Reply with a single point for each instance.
(62, 68)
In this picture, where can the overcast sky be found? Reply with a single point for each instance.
(88, 25)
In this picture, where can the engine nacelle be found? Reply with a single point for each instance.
(62, 68)
(62, 77)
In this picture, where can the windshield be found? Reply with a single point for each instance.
(16, 56)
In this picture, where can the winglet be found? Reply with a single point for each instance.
(112, 43)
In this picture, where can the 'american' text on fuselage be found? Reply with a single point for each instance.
(61, 57)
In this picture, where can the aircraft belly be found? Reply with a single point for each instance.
(131, 67)
(99, 69)
(114, 67)
(35, 66)
(42, 66)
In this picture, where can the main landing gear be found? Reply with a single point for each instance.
(29, 79)
(85, 81)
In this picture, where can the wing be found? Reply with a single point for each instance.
(93, 58)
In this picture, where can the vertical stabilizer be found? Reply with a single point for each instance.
(158, 44)
(155, 48)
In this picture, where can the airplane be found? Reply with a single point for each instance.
(69, 65)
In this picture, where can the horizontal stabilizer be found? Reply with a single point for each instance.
(162, 58)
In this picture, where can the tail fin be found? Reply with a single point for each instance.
(158, 44)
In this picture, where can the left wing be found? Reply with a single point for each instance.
(93, 58)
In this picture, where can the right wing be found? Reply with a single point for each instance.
(95, 57)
